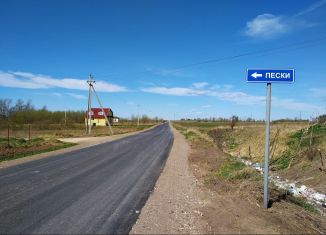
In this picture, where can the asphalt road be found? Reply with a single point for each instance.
(99, 189)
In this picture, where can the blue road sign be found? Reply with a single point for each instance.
(270, 75)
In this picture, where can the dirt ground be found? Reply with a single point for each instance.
(301, 167)
(236, 206)
(174, 206)
(187, 200)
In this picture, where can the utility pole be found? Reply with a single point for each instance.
(100, 103)
(90, 82)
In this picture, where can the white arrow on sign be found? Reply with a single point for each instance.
(256, 75)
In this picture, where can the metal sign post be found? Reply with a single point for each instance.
(268, 76)
(267, 128)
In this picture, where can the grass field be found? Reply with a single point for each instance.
(43, 138)
(235, 190)
(72, 130)
(295, 147)
(20, 147)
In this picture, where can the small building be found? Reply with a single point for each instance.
(98, 118)
(115, 119)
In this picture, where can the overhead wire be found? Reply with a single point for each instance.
(263, 52)
(293, 46)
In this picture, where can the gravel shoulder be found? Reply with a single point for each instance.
(174, 205)
(82, 142)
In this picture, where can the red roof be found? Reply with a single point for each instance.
(97, 112)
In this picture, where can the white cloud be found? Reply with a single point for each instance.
(295, 105)
(237, 97)
(207, 106)
(77, 96)
(176, 91)
(266, 26)
(57, 94)
(227, 86)
(312, 8)
(234, 96)
(200, 84)
(35, 81)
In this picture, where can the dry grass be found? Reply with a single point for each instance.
(291, 156)
(75, 130)
(19, 148)
(254, 137)
(245, 134)
(233, 194)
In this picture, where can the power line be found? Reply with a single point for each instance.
(263, 52)
(258, 52)
(293, 46)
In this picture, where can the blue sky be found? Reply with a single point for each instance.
(136, 51)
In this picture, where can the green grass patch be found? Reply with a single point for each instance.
(235, 170)
(27, 153)
(20, 147)
(228, 169)
(301, 138)
(283, 161)
(298, 145)
(190, 135)
(179, 128)
(302, 203)
(20, 142)
(232, 143)
(246, 173)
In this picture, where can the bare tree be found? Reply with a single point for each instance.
(5, 107)
(19, 106)
(234, 120)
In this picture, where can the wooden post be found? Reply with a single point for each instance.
(8, 136)
(311, 135)
(321, 161)
(29, 133)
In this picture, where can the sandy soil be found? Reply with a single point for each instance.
(174, 206)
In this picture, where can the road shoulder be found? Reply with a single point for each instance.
(172, 208)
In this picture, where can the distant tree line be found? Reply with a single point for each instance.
(234, 118)
(22, 112)
(322, 119)
(142, 119)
